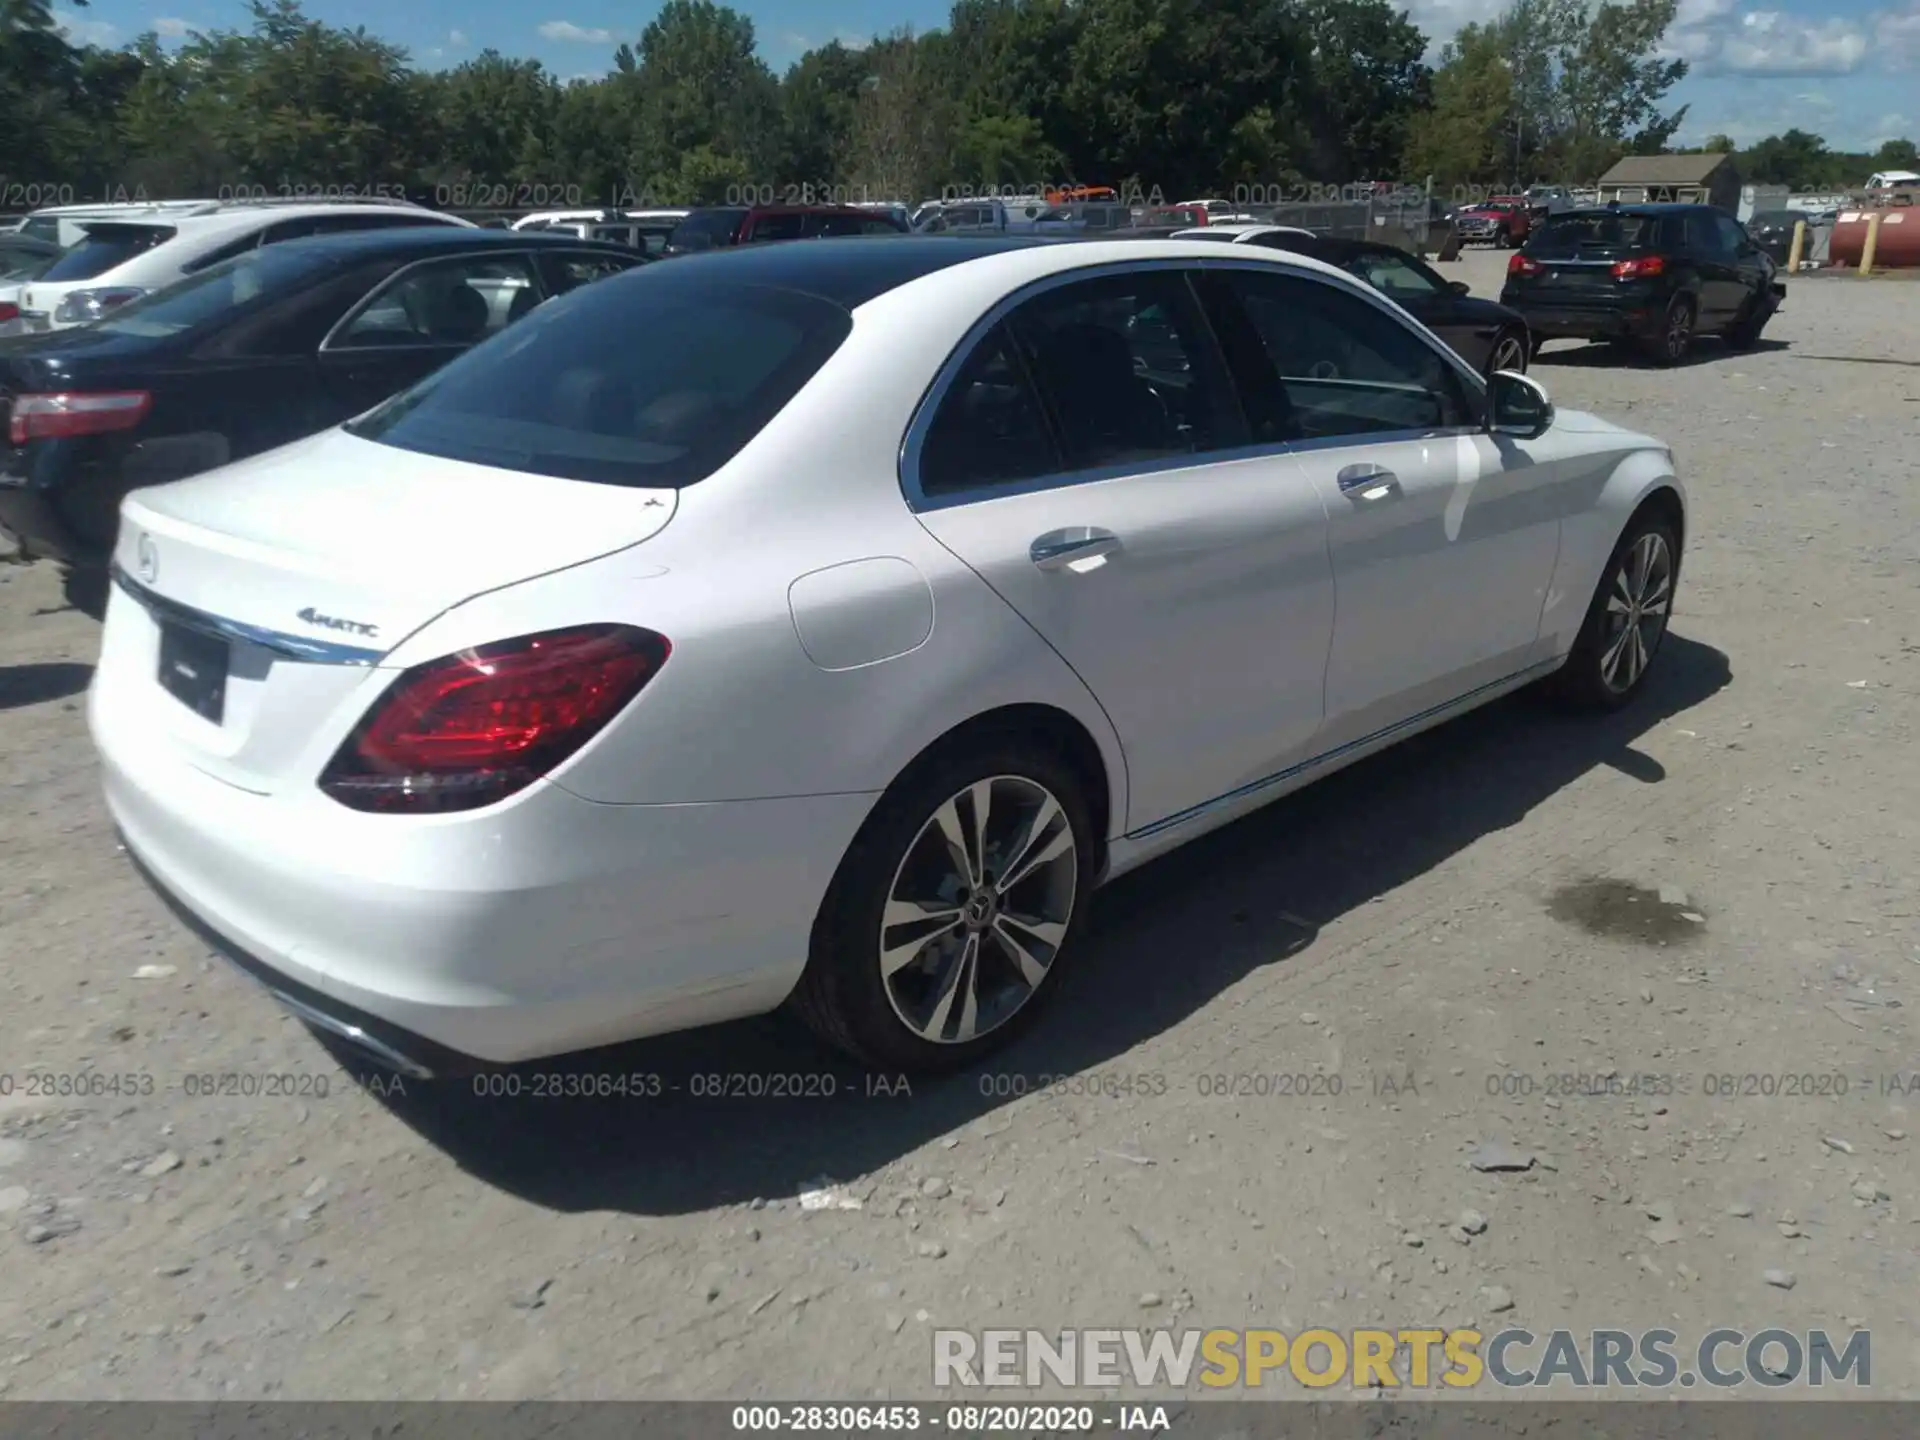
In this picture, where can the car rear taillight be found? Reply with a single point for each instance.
(472, 728)
(1522, 265)
(8, 311)
(69, 413)
(1639, 267)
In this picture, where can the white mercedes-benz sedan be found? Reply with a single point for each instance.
(823, 623)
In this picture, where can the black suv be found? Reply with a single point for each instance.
(1655, 275)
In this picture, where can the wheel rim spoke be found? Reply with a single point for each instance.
(1610, 661)
(1007, 930)
(957, 957)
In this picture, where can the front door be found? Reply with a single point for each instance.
(1443, 537)
(1076, 463)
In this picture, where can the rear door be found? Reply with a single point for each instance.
(418, 320)
(1443, 539)
(1086, 457)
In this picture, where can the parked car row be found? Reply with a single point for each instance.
(591, 687)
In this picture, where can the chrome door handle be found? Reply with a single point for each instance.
(1367, 477)
(1058, 549)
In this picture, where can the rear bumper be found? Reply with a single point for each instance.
(543, 925)
(1592, 322)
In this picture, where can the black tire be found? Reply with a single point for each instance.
(1521, 347)
(1744, 333)
(1503, 239)
(843, 995)
(1673, 341)
(1588, 681)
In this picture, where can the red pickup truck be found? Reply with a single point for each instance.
(1502, 221)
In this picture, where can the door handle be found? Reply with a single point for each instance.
(1064, 549)
(1367, 477)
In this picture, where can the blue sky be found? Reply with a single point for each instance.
(1846, 69)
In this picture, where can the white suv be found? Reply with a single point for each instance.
(120, 258)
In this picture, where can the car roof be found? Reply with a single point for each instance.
(849, 271)
(220, 224)
(433, 239)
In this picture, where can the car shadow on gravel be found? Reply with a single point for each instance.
(1164, 941)
(23, 685)
(1597, 356)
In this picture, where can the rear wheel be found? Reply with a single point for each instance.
(1511, 351)
(1670, 344)
(1627, 619)
(1503, 239)
(945, 927)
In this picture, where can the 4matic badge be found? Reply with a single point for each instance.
(335, 622)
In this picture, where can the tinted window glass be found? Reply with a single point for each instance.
(448, 302)
(856, 225)
(1346, 367)
(1732, 238)
(1120, 363)
(42, 227)
(570, 272)
(1595, 232)
(705, 229)
(568, 392)
(1703, 237)
(989, 429)
(225, 252)
(1392, 273)
(24, 261)
(779, 227)
(104, 247)
(213, 293)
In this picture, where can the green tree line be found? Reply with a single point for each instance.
(1181, 96)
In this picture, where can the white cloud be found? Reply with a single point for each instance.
(456, 37)
(1896, 34)
(567, 30)
(171, 27)
(84, 30)
(1893, 127)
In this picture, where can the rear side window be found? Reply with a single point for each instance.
(853, 225)
(989, 429)
(646, 381)
(571, 271)
(104, 247)
(778, 227)
(214, 293)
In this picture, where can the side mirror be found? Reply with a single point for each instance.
(1518, 406)
(1460, 287)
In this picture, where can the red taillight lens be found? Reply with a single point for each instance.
(473, 728)
(1522, 265)
(1640, 266)
(8, 311)
(70, 413)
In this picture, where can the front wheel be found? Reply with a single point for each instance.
(1626, 621)
(1510, 351)
(1503, 239)
(944, 929)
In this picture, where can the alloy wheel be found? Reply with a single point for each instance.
(1639, 603)
(1509, 354)
(978, 909)
(1679, 329)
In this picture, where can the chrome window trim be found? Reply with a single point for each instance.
(914, 442)
(327, 346)
(294, 647)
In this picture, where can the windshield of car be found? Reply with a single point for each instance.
(1599, 233)
(105, 246)
(216, 291)
(640, 380)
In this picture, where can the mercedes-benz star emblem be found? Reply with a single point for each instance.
(148, 559)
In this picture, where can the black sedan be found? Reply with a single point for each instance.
(1488, 336)
(248, 355)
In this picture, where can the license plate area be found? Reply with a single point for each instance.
(193, 669)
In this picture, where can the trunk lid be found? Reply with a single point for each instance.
(259, 599)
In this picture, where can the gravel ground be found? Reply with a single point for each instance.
(1718, 883)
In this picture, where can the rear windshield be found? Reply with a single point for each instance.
(639, 380)
(105, 246)
(217, 291)
(1568, 235)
